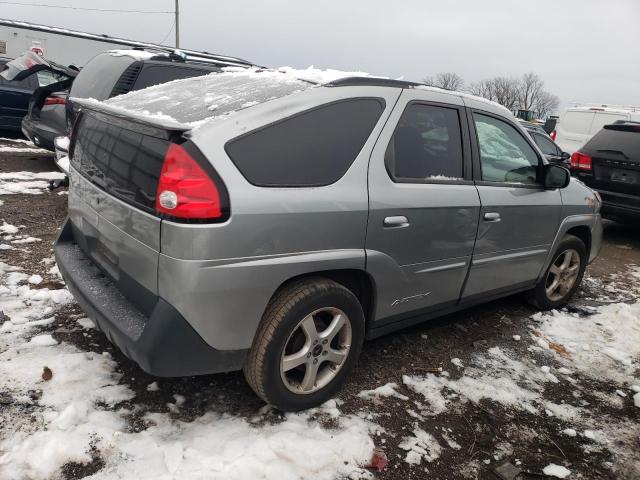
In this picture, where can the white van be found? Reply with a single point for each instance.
(577, 125)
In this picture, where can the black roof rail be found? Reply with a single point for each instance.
(371, 82)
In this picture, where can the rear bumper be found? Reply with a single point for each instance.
(40, 134)
(163, 344)
(617, 211)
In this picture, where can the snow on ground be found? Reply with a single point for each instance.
(27, 182)
(72, 398)
(18, 145)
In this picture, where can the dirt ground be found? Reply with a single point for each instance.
(486, 433)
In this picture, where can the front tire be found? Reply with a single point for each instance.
(308, 341)
(562, 278)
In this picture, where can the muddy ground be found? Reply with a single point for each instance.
(487, 432)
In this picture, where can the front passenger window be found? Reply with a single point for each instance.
(505, 156)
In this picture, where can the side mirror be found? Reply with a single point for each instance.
(556, 176)
(565, 155)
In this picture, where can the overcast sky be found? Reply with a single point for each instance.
(585, 50)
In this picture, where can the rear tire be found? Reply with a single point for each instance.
(562, 278)
(308, 341)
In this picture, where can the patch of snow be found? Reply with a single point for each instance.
(636, 400)
(32, 183)
(457, 362)
(569, 432)
(42, 341)
(35, 279)
(422, 446)
(558, 471)
(316, 75)
(153, 387)
(8, 229)
(388, 390)
(516, 338)
(86, 323)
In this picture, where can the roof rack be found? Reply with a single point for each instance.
(370, 82)
(204, 57)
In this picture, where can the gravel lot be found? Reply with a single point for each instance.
(516, 386)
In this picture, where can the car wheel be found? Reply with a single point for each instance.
(563, 276)
(308, 340)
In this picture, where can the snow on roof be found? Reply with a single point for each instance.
(316, 75)
(136, 54)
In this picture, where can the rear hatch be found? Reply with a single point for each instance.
(615, 153)
(131, 170)
(116, 165)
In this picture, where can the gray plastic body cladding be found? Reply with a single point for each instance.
(220, 277)
(122, 238)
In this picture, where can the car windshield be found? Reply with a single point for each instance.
(193, 100)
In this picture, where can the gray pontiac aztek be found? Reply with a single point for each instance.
(254, 220)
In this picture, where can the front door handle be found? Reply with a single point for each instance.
(491, 217)
(399, 221)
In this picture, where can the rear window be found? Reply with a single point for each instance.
(199, 98)
(313, 148)
(98, 77)
(577, 122)
(623, 139)
(157, 74)
(123, 162)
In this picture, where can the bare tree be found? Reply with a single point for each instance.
(505, 91)
(446, 80)
(545, 104)
(483, 88)
(530, 88)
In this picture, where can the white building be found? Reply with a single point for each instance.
(69, 47)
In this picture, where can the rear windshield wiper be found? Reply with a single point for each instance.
(607, 150)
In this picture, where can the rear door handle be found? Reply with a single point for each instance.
(491, 217)
(399, 221)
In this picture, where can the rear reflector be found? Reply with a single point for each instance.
(55, 101)
(580, 161)
(553, 135)
(185, 190)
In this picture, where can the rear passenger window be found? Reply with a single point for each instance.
(426, 145)
(313, 148)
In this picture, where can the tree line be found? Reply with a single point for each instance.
(516, 93)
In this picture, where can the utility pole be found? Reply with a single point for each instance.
(177, 25)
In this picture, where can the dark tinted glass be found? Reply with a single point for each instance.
(426, 145)
(623, 139)
(99, 75)
(122, 162)
(313, 148)
(156, 74)
(546, 145)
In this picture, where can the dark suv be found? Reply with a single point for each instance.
(610, 164)
(107, 75)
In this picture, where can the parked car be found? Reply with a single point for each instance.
(14, 99)
(271, 224)
(108, 74)
(610, 164)
(577, 125)
(552, 152)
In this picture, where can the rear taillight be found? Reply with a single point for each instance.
(553, 135)
(55, 101)
(580, 161)
(186, 191)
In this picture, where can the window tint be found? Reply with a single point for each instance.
(546, 145)
(99, 75)
(156, 74)
(505, 156)
(426, 145)
(313, 148)
(24, 84)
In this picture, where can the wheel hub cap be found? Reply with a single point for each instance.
(316, 350)
(562, 275)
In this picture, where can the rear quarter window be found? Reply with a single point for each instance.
(602, 119)
(313, 148)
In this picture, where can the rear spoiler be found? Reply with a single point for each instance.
(624, 126)
(154, 123)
